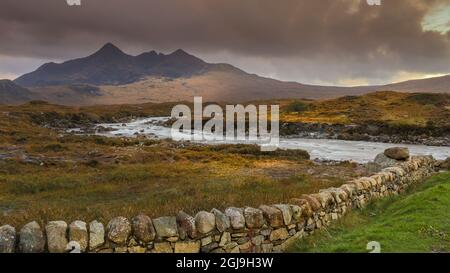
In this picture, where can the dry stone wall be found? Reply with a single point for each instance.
(268, 228)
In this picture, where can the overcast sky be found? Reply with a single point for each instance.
(339, 42)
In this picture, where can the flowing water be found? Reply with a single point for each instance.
(325, 149)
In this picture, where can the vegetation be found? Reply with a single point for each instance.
(417, 222)
(389, 108)
(47, 173)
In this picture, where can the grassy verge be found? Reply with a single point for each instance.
(416, 222)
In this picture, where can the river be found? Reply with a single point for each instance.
(328, 149)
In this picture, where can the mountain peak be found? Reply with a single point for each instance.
(180, 52)
(109, 49)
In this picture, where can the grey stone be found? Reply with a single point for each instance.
(56, 236)
(273, 216)
(165, 226)
(96, 234)
(205, 222)
(143, 229)
(118, 230)
(296, 213)
(253, 217)
(225, 239)
(210, 247)
(258, 240)
(286, 211)
(186, 225)
(31, 238)
(7, 239)
(237, 219)
(78, 233)
(222, 221)
(384, 161)
(206, 240)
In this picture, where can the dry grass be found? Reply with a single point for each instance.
(47, 174)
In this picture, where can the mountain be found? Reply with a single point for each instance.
(11, 93)
(110, 76)
(111, 66)
(431, 85)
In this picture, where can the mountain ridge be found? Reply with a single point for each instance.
(111, 76)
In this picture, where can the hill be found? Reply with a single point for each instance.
(11, 93)
(378, 107)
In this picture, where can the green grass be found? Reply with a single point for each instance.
(416, 222)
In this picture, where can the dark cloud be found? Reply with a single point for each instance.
(336, 39)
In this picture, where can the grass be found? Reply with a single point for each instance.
(390, 108)
(49, 174)
(416, 222)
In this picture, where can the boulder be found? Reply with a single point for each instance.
(143, 229)
(31, 238)
(7, 239)
(205, 222)
(118, 230)
(78, 233)
(96, 234)
(165, 226)
(236, 216)
(397, 153)
(186, 225)
(222, 221)
(253, 217)
(56, 236)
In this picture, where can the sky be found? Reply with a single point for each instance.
(327, 42)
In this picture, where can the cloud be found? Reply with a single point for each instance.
(304, 40)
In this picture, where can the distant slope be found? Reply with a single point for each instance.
(11, 93)
(431, 85)
(385, 107)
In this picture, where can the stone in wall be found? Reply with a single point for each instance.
(119, 230)
(143, 229)
(96, 235)
(166, 226)
(222, 220)
(236, 216)
(78, 233)
(286, 212)
(7, 239)
(186, 225)
(273, 216)
(31, 238)
(253, 217)
(205, 222)
(56, 236)
(187, 247)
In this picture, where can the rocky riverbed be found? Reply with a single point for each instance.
(431, 136)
